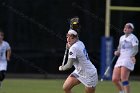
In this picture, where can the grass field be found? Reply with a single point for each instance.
(55, 86)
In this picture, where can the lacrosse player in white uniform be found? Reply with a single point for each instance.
(85, 72)
(5, 53)
(127, 49)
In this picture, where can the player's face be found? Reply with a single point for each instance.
(70, 39)
(127, 29)
(1, 36)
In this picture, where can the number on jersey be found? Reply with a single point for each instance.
(86, 54)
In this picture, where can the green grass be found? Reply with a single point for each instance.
(55, 86)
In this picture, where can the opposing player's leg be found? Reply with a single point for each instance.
(116, 78)
(125, 72)
(70, 82)
(89, 89)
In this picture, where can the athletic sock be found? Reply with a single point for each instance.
(121, 91)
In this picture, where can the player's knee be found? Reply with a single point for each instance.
(90, 89)
(66, 88)
(115, 80)
(125, 83)
(123, 78)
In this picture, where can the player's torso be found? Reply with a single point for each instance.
(126, 45)
(83, 63)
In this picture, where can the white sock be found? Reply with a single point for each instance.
(121, 91)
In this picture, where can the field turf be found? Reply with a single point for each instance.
(55, 86)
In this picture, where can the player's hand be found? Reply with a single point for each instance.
(68, 45)
(60, 68)
(133, 59)
(116, 53)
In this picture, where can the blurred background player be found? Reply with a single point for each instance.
(127, 49)
(5, 53)
(85, 72)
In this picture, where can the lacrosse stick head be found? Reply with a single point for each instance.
(74, 24)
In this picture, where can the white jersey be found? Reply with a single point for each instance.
(127, 43)
(85, 70)
(126, 50)
(3, 61)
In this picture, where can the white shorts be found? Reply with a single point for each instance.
(3, 66)
(126, 62)
(90, 80)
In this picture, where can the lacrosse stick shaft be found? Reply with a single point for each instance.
(64, 58)
(108, 68)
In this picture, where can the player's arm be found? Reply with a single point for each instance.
(8, 54)
(68, 65)
(119, 47)
(71, 59)
(135, 44)
(117, 52)
(135, 50)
